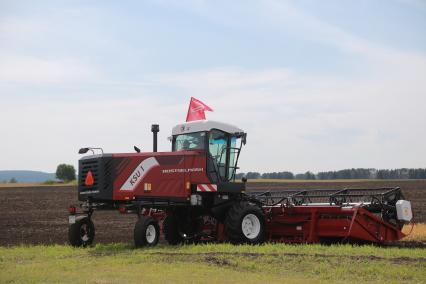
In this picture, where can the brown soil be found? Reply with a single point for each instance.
(38, 215)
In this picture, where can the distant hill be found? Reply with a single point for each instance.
(26, 176)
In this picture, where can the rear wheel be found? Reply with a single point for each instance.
(245, 223)
(146, 232)
(181, 226)
(171, 230)
(82, 232)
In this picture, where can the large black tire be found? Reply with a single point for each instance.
(146, 232)
(82, 232)
(171, 230)
(245, 223)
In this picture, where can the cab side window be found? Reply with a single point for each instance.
(218, 142)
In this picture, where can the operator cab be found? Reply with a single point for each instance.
(221, 142)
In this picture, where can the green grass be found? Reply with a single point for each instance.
(332, 180)
(213, 263)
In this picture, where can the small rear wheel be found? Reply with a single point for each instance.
(82, 232)
(245, 223)
(146, 232)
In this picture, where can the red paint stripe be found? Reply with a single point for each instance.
(201, 188)
(211, 187)
(206, 189)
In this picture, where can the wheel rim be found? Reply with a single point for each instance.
(250, 226)
(84, 233)
(150, 234)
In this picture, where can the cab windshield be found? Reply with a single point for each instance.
(190, 141)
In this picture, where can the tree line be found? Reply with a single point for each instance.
(64, 172)
(12, 180)
(359, 173)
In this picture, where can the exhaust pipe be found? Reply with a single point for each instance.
(155, 128)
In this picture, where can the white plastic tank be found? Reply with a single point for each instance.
(403, 210)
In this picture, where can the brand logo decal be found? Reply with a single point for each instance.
(89, 192)
(138, 174)
(192, 170)
(184, 128)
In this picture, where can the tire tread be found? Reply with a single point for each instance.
(233, 222)
(139, 232)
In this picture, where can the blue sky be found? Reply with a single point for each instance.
(318, 85)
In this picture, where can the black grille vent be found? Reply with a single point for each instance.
(108, 173)
(103, 171)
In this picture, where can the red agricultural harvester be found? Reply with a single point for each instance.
(190, 195)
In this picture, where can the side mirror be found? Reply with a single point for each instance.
(137, 149)
(87, 149)
(244, 139)
(83, 150)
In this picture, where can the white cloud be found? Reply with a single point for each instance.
(24, 30)
(42, 134)
(418, 4)
(296, 121)
(34, 70)
(223, 78)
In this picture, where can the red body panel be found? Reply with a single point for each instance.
(320, 223)
(168, 174)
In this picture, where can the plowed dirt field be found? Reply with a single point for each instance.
(38, 214)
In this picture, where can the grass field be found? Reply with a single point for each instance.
(307, 181)
(219, 263)
(328, 180)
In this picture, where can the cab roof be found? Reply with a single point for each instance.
(204, 125)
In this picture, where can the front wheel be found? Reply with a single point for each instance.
(146, 232)
(82, 232)
(245, 223)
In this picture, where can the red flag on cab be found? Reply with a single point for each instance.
(196, 110)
